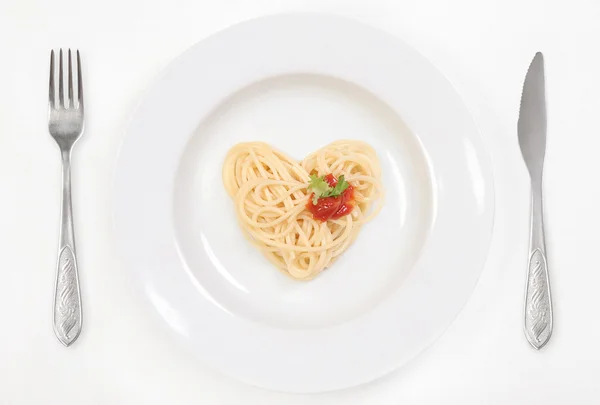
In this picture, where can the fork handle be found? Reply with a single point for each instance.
(67, 297)
(538, 301)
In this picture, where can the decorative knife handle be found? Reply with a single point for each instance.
(67, 296)
(538, 301)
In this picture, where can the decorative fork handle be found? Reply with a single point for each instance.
(67, 296)
(538, 301)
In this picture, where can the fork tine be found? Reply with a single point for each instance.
(71, 101)
(79, 82)
(61, 96)
(51, 98)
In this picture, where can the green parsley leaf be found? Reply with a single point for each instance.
(322, 189)
(339, 188)
(319, 187)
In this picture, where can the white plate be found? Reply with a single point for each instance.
(298, 82)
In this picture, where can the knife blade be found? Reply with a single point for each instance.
(538, 317)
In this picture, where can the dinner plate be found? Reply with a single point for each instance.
(298, 82)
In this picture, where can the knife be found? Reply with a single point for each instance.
(532, 139)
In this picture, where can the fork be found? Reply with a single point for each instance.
(65, 124)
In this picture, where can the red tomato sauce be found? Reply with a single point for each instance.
(332, 207)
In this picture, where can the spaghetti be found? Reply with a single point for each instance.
(271, 192)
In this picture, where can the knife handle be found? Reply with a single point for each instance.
(538, 300)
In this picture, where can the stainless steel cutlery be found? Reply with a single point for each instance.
(532, 139)
(65, 124)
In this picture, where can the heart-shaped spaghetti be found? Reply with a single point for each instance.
(271, 193)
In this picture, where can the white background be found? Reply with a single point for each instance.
(125, 356)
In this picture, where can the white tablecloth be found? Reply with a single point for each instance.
(125, 356)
